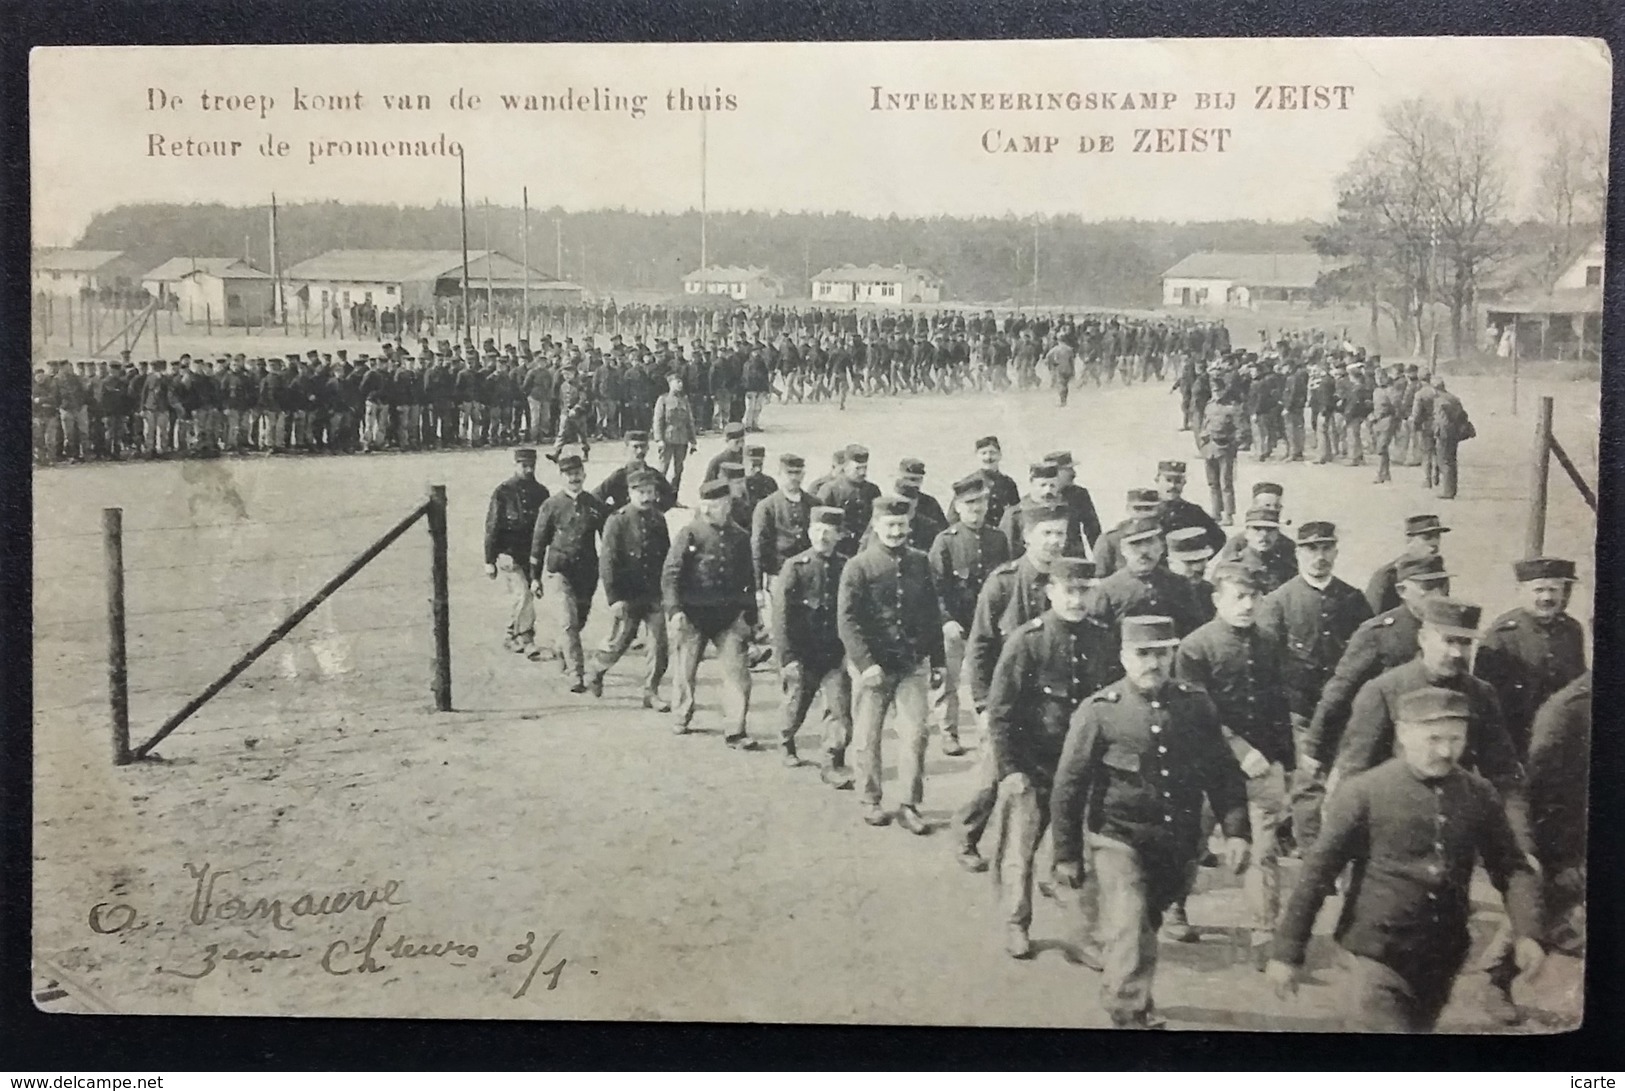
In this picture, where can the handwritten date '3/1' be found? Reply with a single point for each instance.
(525, 950)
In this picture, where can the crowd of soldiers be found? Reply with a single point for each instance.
(459, 395)
(1159, 696)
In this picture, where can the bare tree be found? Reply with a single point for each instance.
(1470, 207)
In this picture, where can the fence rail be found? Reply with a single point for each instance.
(1545, 448)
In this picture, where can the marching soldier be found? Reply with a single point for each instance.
(927, 520)
(510, 522)
(758, 485)
(1422, 403)
(614, 492)
(1413, 827)
(1451, 427)
(1378, 645)
(636, 543)
(891, 627)
(1142, 504)
(733, 450)
(1013, 595)
(1177, 513)
(1263, 550)
(1188, 556)
(1139, 758)
(1144, 586)
(961, 559)
(807, 645)
(1046, 487)
(1075, 497)
(1384, 414)
(1047, 667)
(673, 428)
(780, 523)
(564, 557)
(1313, 616)
(740, 511)
(1531, 652)
(1002, 491)
(706, 585)
(1218, 438)
(1424, 536)
(853, 493)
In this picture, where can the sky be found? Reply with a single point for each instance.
(803, 134)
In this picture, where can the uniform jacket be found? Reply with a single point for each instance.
(1386, 641)
(1314, 627)
(758, 487)
(961, 559)
(1082, 506)
(1136, 768)
(779, 531)
(1382, 591)
(1278, 565)
(614, 493)
(1219, 435)
(857, 499)
(888, 613)
(804, 621)
(1179, 513)
(713, 469)
(1013, 526)
(926, 521)
(1002, 494)
(510, 520)
(1244, 672)
(1413, 844)
(635, 547)
(1559, 776)
(1160, 593)
(708, 570)
(1013, 594)
(1046, 669)
(1527, 660)
(565, 539)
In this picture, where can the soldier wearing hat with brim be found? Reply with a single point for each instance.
(891, 626)
(1188, 554)
(807, 644)
(1267, 551)
(707, 586)
(1268, 496)
(1404, 925)
(1002, 491)
(1424, 537)
(1076, 498)
(1533, 650)
(1046, 669)
(1313, 615)
(1045, 490)
(852, 492)
(636, 542)
(1386, 641)
(564, 561)
(1141, 504)
(614, 491)
(510, 523)
(1141, 756)
(733, 450)
(1176, 512)
(961, 558)
(1144, 586)
(759, 485)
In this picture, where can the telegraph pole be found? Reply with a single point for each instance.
(558, 247)
(1035, 264)
(277, 308)
(703, 210)
(524, 322)
(462, 204)
(490, 295)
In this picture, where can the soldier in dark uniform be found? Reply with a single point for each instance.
(1188, 554)
(1144, 586)
(1266, 548)
(758, 485)
(1075, 497)
(1177, 513)
(1002, 491)
(1048, 666)
(891, 627)
(614, 492)
(1108, 552)
(1378, 645)
(1424, 535)
(636, 542)
(853, 493)
(1413, 828)
(1451, 428)
(1422, 403)
(807, 644)
(1313, 615)
(927, 519)
(564, 559)
(733, 475)
(961, 559)
(1045, 477)
(707, 588)
(837, 465)
(1445, 645)
(733, 450)
(510, 521)
(779, 525)
(1530, 653)
(1140, 757)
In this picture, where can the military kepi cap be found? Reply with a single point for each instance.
(988, 441)
(1434, 704)
(1543, 568)
(970, 487)
(1424, 524)
(734, 431)
(1421, 569)
(637, 437)
(830, 517)
(525, 455)
(1060, 458)
(569, 462)
(1149, 632)
(792, 462)
(755, 450)
(1033, 514)
(1138, 530)
(1269, 488)
(857, 452)
(1072, 570)
(1170, 469)
(1451, 616)
(1239, 575)
(1043, 471)
(715, 489)
(1144, 497)
(642, 478)
(1313, 533)
(1189, 544)
(892, 505)
(1263, 517)
(732, 471)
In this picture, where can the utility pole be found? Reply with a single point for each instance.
(703, 208)
(462, 204)
(524, 322)
(558, 247)
(1035, 264)
(490, 295)
(277, 308)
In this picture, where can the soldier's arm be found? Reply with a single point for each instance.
(1498, 763)
(540, 539)
(1502, 852)
(942, 571)
(602, 492)
(1376, 588)
(785, 589)
(1343, 838)
(1010, 528)
(606, 561)
(982, 643)
(493, 524)
(761, 536)
(1080, 756)
(1369, 739)
(848, 602)
(745, 585)
(931, 622)
(671, 572)
(1003, 695)
(1225, 784)
(1357, 665)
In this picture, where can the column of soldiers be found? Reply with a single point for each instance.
(1155, 696)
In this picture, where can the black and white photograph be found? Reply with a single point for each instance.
(1053, 534)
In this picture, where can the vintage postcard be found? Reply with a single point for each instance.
(1008, 533)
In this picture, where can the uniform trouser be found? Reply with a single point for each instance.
(377, 424)
(1557, 904)
(1324, 438)
(1021, 815)
(75, 429)
(1355, 440)
(1063, 386)
(1308, 791)
(1382, 438)
(1267, 811)
(540, 419)
(623, 629)
(754, 401)
(688, 647)
(470, 420)
(801, 681)
(47, 437)
(522, 608)
(304, 434)
(609, 417)
(1128, 912)
(410, 425)
(232, 433)
(1221, 483)
(1382, 1000)
(945, 698)
(1294, 433)
(971, 821)
(574, 603)
(909, 692)
(156, 427)
(672, 456)
(1445, 454)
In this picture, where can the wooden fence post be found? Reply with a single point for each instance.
(118, 694)
(442, 598)
(1539, 464)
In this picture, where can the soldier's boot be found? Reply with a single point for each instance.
(910, 820)
(595, 683)
(513, 643)
(836, 775)
(951, 745)
(790, 759)
(968, 858)
(1016, 942)
(1176, 924)
(875, 815)
(653, 700)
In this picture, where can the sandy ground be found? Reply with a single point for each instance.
(682, 880)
